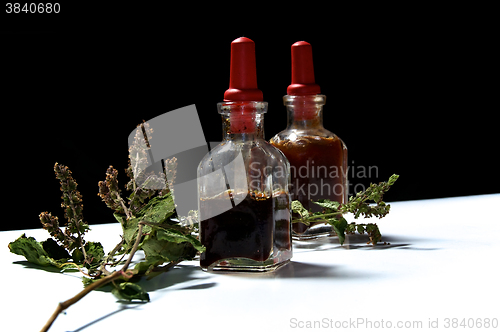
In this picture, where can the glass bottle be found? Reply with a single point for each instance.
(244, 202)
(318, 157)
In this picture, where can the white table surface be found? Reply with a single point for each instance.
(442, 263)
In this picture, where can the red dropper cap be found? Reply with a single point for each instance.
(303, 82)
(243, 85)
(243, 77)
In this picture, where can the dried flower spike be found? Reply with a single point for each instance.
(72, 237)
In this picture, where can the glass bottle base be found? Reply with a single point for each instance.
(314, 232)
(241, 264)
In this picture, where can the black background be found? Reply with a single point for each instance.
(409, 91)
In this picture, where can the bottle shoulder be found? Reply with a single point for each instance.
(257, 151)
(305, 136)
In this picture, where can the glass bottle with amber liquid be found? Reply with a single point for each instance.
(243, 183)
(318, 157)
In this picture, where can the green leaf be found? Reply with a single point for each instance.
(77, 256)
(300, 209)
(120, 218)
(95, 252)
(69, 268)
(392, 179)
(360, 229)
(167, 250)
(339, 225)
(331, 206)
(54, 250)
(351, 228)
(374, 233)
(128, 291)
(131, 228)
(167, 245)
(158, 209)
(87, 281)
(173, 235)
(147, 266)
(33, 251)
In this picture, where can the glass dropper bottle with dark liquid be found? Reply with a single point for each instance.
(243, 183)
(318, 157)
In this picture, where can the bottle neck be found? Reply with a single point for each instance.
(304, 112)
(242, 120)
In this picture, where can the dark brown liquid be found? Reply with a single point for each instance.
(317, 171)
(251, 229)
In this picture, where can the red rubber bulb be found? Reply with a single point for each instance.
(303, 82)
(243, 76)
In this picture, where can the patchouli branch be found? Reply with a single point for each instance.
(359, 205)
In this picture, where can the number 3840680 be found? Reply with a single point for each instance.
(32, 8)
(471, 323)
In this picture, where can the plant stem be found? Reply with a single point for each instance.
(77, 224)
(85, 258)
(101, 282)
(77, 267)
(323, 216)
(125, 209)
(66, 304)
(313, 218)
(134, 248)
(102, 269)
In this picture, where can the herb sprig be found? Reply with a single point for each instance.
(358, 205)
(148, 221)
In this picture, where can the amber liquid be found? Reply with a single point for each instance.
(251, 229)
(318, 166)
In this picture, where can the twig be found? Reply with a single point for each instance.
(85, 257)
(102, 269)
(134, 248)
(125, 209)
(101, 282)
(77, 267)
(66, 304)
